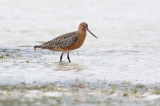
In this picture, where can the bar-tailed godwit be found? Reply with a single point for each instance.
(67, 42)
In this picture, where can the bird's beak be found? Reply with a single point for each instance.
(91, 33)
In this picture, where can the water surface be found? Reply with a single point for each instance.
(127, 51)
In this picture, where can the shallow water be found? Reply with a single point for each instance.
(127, 49)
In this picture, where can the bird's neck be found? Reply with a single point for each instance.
(82, 33)
(82, 36)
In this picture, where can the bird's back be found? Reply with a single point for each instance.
(61, 42)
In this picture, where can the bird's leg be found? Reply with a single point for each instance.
(68, 57)
(61, 57)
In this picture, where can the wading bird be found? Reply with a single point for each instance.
(67, 42)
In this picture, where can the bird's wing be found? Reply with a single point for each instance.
(62, 41)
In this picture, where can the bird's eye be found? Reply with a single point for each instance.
(83, 25)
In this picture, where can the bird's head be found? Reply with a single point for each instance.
(83, 27)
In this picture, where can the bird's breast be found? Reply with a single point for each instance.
(79, 42)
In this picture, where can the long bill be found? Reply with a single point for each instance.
(91, 33)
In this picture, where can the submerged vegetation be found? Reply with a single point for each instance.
(99, 93)
(1, 56)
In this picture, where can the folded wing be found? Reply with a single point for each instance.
(62, 41)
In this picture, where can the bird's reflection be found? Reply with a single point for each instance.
(67, 66)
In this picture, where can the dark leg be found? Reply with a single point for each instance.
(61, 57)
(68, 57)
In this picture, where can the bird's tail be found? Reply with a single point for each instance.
(37, 46)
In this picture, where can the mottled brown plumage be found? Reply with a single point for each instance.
(60, 43)
(67, 42)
